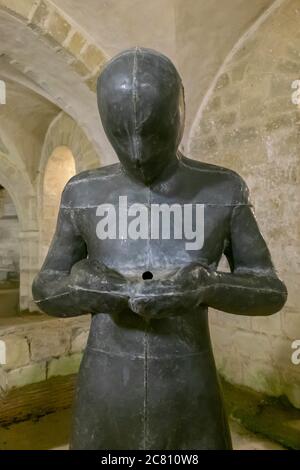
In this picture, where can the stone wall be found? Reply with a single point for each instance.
(249, 124)
(34, 349)
(9, 237)
(43, 17)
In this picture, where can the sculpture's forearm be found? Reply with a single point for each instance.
(56, 294)
(52, 294)
(246, 294)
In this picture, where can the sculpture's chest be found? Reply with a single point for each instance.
(132, 227)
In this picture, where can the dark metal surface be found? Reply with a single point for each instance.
(148, 378)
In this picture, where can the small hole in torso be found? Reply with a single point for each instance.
(147, 275)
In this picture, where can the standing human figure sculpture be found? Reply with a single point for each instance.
(124, 251)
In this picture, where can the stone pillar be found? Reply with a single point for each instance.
(29, 266)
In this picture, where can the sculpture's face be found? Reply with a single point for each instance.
(140, 99)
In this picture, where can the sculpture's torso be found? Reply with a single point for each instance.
(148, 378)
(152, 384)
(216, 189)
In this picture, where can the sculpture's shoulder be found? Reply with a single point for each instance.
(79, 185)
(86, 177)
(230, 181)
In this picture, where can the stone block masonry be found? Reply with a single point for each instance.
(84, 57)
(36, 348)
(251, 125)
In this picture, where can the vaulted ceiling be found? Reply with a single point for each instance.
(196, 34)
(42, 78)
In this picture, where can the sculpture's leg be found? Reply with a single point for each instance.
(184, 404)
(109, 403)
(143, 402)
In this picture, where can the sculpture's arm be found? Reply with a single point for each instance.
(252, 287)
(50, 288)
(68, 283)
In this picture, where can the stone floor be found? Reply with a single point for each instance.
(245, 440)
(52, 431)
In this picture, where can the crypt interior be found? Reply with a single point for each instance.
(238, 60)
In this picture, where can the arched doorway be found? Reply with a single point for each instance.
(59, 169)
(9, 256)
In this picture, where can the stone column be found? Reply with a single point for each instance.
(29, 265)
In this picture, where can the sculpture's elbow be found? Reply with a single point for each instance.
(51, 308)
(276, 298)
(44, 297)
(40, 291)
(38, 288)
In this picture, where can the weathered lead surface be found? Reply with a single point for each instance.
(148, 378)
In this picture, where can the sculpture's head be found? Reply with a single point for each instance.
(141, 105)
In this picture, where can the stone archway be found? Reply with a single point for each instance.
(41, 16)
(64, 131)
(18, 185)
(59, 169)
(64, 66)
(66, 147)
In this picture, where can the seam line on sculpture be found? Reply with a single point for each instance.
(145, 386)
(134, 102)
(99, 291)
(79, 288)
(142, 356)
(191, 291)
(208, 204)
(219, 169)
(57, 271)
(149, 251)
(129, 52)
(52, 297)
(94, 178)
(230, 286)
